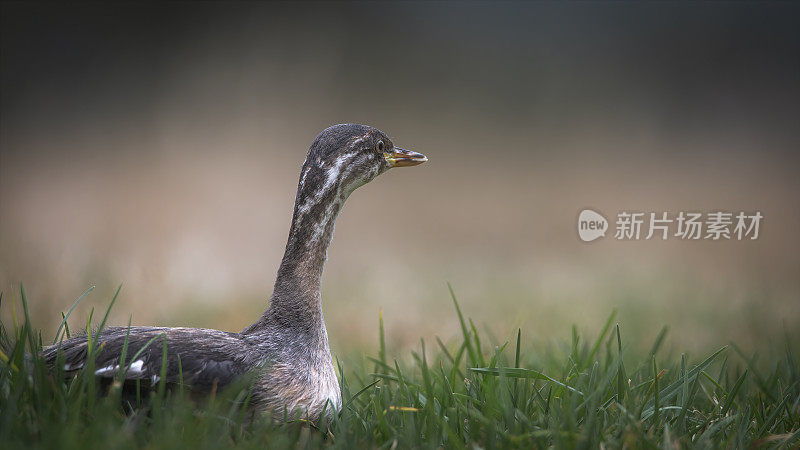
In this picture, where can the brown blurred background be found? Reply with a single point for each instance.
(160, 146)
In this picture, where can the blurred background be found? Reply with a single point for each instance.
(160, 145)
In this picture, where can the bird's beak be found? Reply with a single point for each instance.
(399, 157)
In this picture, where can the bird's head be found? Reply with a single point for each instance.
(344, 157)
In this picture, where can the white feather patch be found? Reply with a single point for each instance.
(107, 370)
(136, 367)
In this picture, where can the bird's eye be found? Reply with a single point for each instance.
(380, 146)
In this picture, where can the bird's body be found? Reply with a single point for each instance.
(286, 349)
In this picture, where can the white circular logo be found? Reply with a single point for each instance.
(591, 225)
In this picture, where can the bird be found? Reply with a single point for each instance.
(286, 349)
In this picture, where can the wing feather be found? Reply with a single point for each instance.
(201, 357)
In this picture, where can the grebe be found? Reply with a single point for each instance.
(287, 347)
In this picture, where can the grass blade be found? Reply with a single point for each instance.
(69, 311)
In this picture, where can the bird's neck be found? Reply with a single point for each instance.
(296, 300)
(297, 295)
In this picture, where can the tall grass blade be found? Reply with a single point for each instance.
(69, 311)
(382, 339)
(473, 359)
(732, 394)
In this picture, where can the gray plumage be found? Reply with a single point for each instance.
(286, 349)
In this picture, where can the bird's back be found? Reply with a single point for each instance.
(199, 358)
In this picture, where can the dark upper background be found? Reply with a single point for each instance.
(159, 145)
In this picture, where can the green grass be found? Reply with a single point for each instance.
(466, 394)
